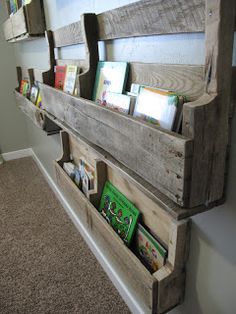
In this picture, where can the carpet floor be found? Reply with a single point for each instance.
(45, 265)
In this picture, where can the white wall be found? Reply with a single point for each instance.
(13, 135)
(211, 279)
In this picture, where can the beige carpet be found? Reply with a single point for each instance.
(45, 266)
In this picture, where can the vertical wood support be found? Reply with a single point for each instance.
(89, 30)
(206, 120)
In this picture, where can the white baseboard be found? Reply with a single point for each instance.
(17, 154)
(130, 300)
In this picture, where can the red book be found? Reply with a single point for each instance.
(60, 74)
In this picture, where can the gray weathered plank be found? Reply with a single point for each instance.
(138, 145)
(68, 35)
(8, 30)
(185, 79)
(152, 17)
(19, 23)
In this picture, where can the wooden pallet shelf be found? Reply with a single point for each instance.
(35, 114)
(160, 291)
(27, 23)
(188, 168)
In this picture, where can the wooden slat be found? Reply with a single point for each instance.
(138, 145)
(18, 23)
(8, 30)
(34, 15)
(126, 264)
(152, 17)
(185, 79)
(68, 35)
(30, 110)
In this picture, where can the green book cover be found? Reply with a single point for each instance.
(119, 212)
(110, 77)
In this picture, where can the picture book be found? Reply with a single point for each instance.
(70, 79)
(110, 77)
(150, 251)
(23, 84)
(60, 74)
(118, 102)
(156, 106)
(13, 5)
(119, 212)
(34, 94)
(87, 176)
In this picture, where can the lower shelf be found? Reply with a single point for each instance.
(159, 291)
(36, 115)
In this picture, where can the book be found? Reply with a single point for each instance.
(110, 77)
(119, 212)
(13, 6)
(87, 176)
(70, 79)
(22, 85)
(150, 251)
(34, 94)
(60, 75)
(156, 106)
(118, 102)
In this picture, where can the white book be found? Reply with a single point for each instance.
(117, 102)
(70, 79)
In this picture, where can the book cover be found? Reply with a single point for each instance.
(110, 76)
(60, 75)
(26, 89)
(119, 212)
(118, 102)
(150, 251)
(34, 94)
(22, 84)
(70, 79)
(13, 6)
(156, 106)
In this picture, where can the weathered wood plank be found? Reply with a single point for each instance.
(19, 23)
(68, 35)
(34, 15)
(138, 145)
(30, 110)
(207, 120)
(185, 79)
(8, 30)
(152, 17)
(126, 264)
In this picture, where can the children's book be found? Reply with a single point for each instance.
(118, 102)
(110, 77)
(119, 212)
(22, 85)
(70, 79)
(13, 6)
(156, 106)
(60, 75)
(150, 251)
(25, 88)
(34, 94)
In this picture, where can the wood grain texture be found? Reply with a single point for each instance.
(185, 79)
(138, 145)
(68, 35)
(152, 17)
(128, 266)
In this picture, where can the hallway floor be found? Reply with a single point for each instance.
(45, 265)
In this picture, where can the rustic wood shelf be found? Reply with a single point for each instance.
(27, 23)
(36, 114)
(159, 291)
(190, 168)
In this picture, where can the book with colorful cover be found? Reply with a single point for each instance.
(157, 106)
(110, 76)
(118, 102)
(13, 5)
(150, 251)
(70, 79)
(23, 83)
(34, 94)
(60, 75)
(119, 212)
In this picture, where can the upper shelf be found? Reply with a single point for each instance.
(26, 24)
